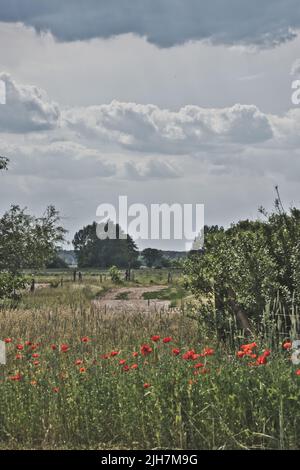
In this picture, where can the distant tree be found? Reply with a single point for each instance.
(56, 262)
(92, 251)
(152, 257)
(27, 241)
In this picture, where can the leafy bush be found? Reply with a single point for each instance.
(246, 266)
(115, 274)
(10, 286)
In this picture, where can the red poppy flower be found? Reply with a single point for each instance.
(146, 385)
(82, 370)
(208, 352)
(55, 389)
(122, 362)
(155, 338)
(126, 368)
(168, 339)
(19, 356)
(20, 347)
(176, 351)
(28, 343)
(146, 349)
(35, 355)
(78, 362)
(134, 366)
(8, 340)
(188, 355)
(197, 366)
(297, 372)
(104, 356)
(114, 353)
(287, 345)
(64, 348)
(85, 339)
(53, 347)
(240, 354)
(135, 354)
(16, 377)
(261, 360)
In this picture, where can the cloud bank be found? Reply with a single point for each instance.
(164, 23)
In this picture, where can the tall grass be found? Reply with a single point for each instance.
(226, 405)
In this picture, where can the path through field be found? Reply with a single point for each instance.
(131, 299)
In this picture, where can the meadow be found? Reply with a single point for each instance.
(79, 375)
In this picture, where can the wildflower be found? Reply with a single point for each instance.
(35, 355)
(240, 354)
(261, 360)
(16, 377)
(208, 352)
(135, 354)
(8, 340)
(33, 382)
(198, 365)
(287, 345)
(122, 362)
(64, 348)
(114, 353)
(36, 363)
(78, 362)
(28, 343)
(34, 347)
(297, 372)
(82, 370)
(126, 368)
(194, 357)
(188, 355)
(85, 339)
(146, 349)
(155, 338)
(53, 347)
(104, 356)
(134, 366)
(176, 351)
(55, 389)
(147, 385)
(19, 356)
(20, 347)
(168, 339)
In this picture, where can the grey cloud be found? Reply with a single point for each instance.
(27, 108)
(164, 22)
(147, 128)
(153, 169)
(59, 160)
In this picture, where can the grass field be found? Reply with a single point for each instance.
(78, 376)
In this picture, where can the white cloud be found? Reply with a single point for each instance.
(27, 108)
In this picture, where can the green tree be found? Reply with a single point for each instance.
(27, 241)
(152, 256)
(92, 251)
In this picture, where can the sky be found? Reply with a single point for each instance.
(165, 101)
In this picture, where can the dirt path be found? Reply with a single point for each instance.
(133, 299)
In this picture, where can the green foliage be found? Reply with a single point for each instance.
(27, 241)
(11, 285)
(152, 256)
(115, 274)
(92, 251)
(248, 265)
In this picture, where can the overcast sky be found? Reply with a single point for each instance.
(163, 100)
